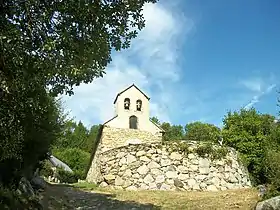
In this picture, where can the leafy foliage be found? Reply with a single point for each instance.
(10, 200)
(207, 149)
(27, 130)
(77, 159)
(66, 176)
(272, 168)
(198, 131)
(76, 135)
(66, 43)
(46, 169)
(172, 132)
(155, 120)
(179, 146)
(47, 47)
(249, 133)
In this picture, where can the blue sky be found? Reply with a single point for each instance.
(196, 59)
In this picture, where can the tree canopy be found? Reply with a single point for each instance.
(47, 47)
(249, 132)
(64, 43)
(198, 131)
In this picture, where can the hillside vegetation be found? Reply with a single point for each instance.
(254, 135)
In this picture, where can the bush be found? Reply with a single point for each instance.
(219, 153)
(249, 132)
(66, 176)
(46, 169)
(10, 200)
(198, 131)
(77, 160)
(272, 172)
(204, 150)
(178, 147)
(27, 130)
(209, 150)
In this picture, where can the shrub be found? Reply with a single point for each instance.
(178, 147)
(209, 150)
(219, 153)
(250, 132)
(27, 129)
(46, 169)
(77, 160)
(204, 149)
(66, 176)
(272, 172)
(198, 131)
(10, 200)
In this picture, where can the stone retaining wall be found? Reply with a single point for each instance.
(159, 167)
(117, 137)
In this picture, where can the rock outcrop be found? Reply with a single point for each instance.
(269, 204)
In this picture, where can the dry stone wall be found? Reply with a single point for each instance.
(159, 167)
(117, 137)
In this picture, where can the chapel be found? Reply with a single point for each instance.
(132, 111)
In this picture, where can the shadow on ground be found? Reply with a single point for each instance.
(67, 197)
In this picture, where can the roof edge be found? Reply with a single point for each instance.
(110, 119)
(129, 88)
(158, 126)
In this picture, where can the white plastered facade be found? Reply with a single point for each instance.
(121, 120)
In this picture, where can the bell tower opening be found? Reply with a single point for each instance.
(126, 103)
(139, 105)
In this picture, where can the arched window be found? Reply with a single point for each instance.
(138, 105)
(133, 121)
(126, 103)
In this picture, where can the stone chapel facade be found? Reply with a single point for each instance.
(132, 111)
(131, 123)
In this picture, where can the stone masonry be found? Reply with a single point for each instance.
(117, 137)
(159, 167)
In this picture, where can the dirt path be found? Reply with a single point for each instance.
(67, 197)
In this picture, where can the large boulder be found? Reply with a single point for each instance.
(38, 182)
(269, 204)
(25, 187)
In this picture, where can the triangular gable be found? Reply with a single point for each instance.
(127, 89)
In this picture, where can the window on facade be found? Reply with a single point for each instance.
(138, 105)
(126, 103)
(133, 122)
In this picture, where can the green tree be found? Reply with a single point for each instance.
(92, 138)
(80, 136)
(77, 136)
(65, 43)
(66, 138)
(172, 132)
(155, 120)
(77, 159)
(249, 133)
(198, 131)
(52, 45)
(27, 129)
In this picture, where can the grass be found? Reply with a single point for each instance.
(234, 199)
(120, 199)
(85, 185)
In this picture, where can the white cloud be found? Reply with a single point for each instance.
(260, 87)
(253, 84)
(150, 63)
